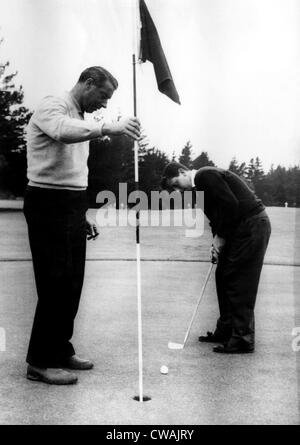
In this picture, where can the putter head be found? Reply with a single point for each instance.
(172, 345)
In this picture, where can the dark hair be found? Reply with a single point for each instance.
(171, 171)
(99, 75)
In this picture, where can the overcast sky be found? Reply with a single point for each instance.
(235, 63)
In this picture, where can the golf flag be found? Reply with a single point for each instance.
(151, 49)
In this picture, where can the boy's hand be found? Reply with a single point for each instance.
(91, 229)
(213, 255)
(216, 248)
(218, 244)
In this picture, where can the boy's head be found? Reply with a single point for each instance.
(176, 176)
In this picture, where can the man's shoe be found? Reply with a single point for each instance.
(213, 338)
(75, 362)
(228, 349)
(53, 376)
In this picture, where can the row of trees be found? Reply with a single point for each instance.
(112, 162)
(276, 187)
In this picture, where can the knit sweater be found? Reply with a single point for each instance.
(57, 144)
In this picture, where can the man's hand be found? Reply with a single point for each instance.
(91, 229)
(130, 126)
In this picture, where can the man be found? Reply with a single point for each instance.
(55, 208)
(241, 231)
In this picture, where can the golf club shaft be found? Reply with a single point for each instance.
(198, 302)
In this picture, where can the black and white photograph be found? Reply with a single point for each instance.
(149, 215)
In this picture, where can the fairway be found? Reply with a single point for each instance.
(201, 387)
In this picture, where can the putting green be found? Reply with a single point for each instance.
(201, 387)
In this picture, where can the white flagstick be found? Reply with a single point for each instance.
(139, 302)
(136, 175)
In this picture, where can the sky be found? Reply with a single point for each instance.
(235, 63)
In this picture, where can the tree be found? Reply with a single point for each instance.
(185, 157)
(255, 175)
(282, 185)
(13, 119)
(239, 169)
(151, 170)
(112, 162)
(297, 186)
(202, 161)
(250, 170)
(255, 171)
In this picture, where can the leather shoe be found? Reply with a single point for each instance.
(213, 338)
(75, 362)
(53, 376)
(238, 349)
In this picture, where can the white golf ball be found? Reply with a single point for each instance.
(164, 369)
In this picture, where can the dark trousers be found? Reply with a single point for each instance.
(57, 236)
(237, 278)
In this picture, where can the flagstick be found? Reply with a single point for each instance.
(138, 251)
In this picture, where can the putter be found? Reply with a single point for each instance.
(172, 345)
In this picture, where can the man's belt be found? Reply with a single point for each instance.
(261, 214)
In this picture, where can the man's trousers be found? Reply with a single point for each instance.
(57, 236)
(237, 278)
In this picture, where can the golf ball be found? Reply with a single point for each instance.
(164, 369)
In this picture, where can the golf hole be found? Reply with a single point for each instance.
(145, 398)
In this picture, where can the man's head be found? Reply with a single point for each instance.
(94, 88)
(176, 176)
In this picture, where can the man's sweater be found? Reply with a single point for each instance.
(57, 144)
